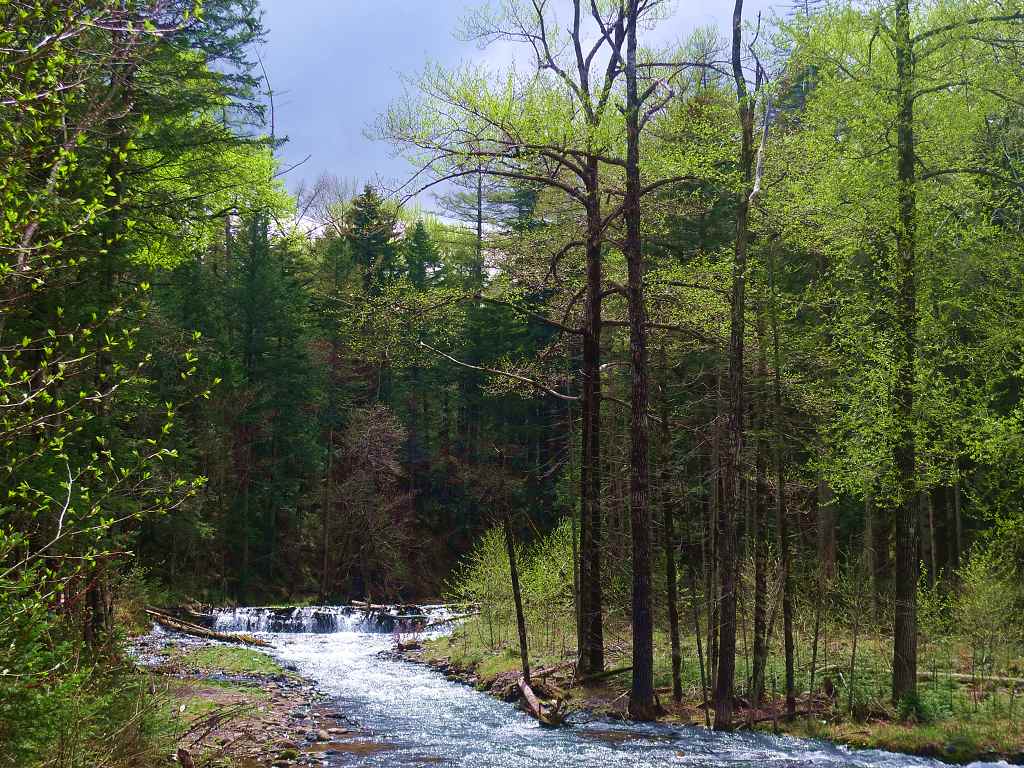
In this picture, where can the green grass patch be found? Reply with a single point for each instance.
(952, 740)
(231, 660)
(468, 648)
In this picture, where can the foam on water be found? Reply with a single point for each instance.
(325, 619)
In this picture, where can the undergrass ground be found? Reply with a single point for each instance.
(230, 707)
(954, 719)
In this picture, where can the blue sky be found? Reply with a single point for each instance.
(336, 64)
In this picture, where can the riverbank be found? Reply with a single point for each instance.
(232, 707)
(952, 740)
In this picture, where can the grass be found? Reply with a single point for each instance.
(191, 698)
(230, 660)
(951, 720)
(952, 740)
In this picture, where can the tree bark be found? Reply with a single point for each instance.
(734, 429)
(325, 521)
(957, 521)
(870, 561)
(712, 565)
(591, 634)
(904, 667)
(642, 705)
(781, 517)
(826, 514)
(517, 597)
(671, 578)
(757, 536)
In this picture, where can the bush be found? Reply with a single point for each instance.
(66, 709)
(986, 607)
(546, 580)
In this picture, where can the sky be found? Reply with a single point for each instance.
(334, 65)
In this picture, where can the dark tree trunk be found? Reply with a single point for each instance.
(712, 565)
(671, 578)
(591, 631)
(673, 601)
(933, 553)
(479, 267)
(734, 429)
(99, 616)
(826, 509)
(700, 650)
(642, 705)
(757, 534)
(958, 525)
(870, 561)
(325, 523)
(904, 666)
(781, 517)
(517, 597)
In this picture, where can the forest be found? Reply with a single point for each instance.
(697, 364)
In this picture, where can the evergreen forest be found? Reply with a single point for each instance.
(695, 366)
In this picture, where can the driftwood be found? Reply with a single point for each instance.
(210, 634)
(546, 714)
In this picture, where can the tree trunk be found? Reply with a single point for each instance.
(712, 564)
(757, 536)
(904, 667)
(671, 596)
(700, 650)
(479, 266)
(826, 519)
(591, 634)
(870, 561)
(781, 518)
(325, 522)
(932, 543)
(958, 524)
(642, 705)
(517, 597)
(734, 430)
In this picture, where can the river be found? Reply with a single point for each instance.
(420, 718)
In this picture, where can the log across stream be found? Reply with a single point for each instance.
(417, 717)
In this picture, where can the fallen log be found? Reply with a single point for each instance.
(603, 675)
(210, 634)
(553, 668)
(449, 620)
(368, 606)
(961, 677)
(775, 718)
(546, 714)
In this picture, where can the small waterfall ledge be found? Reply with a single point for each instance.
(327, 619)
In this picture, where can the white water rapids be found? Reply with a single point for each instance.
(425, 719)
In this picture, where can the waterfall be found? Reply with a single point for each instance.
(324, 619)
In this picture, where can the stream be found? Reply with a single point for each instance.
(420, 718)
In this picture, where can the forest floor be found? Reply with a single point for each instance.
(955, 739)
(232, 707)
